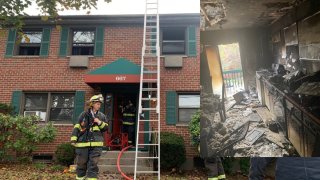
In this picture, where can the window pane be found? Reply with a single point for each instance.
(61, 114)
(62, 100)
(83, 36)
(62, 107)
(189, 101)
(31, 37)
(186, 114)
(86, 50)
(29, 50)
(34, 102)
(173, 34)
(173, 48)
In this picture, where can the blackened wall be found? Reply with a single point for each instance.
(307, 19)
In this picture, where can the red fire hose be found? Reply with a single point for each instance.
(118, 162)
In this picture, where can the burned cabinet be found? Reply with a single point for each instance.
(303, 131)
(311, 136)
(278, 111)
(295, 127)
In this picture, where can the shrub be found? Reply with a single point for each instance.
(5, 108)
(22, 134)
(245, 165)
(194, 129)
(172, 149)
(65, 154)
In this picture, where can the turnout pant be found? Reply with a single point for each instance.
(87, 162)
(215, 168)
(130, 130)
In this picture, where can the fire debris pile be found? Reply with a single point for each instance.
(213, 12)
(249, 130)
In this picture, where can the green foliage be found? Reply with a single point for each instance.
(6, 108)
(228, 164)
(172, 149)
(194, 129)
(22, 134)
(65, 154)
(12, 12)
(245, 165)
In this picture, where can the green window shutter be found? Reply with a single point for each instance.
(64, 37)
(192, 41)
(16, 101)
(45, 42)
(99, 41)
(171, 107)
(11, 42)
(79, 101)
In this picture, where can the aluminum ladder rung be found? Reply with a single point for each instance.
(151, 47)
(149, 72)
(147, 172)
(150, 55)
(151, 40)
(142, 132)
(148, 120)
(149, 89)
(147, 144)
(152, 27)
(149, 99)
(150, 80)
(147, 157)
(149, 109)
(151, 33)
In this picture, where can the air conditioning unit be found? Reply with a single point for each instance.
(40, 114)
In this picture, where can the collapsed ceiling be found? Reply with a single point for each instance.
(230, 14)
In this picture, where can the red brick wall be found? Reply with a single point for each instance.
(53, 74)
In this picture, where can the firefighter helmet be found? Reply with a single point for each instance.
(96, 98)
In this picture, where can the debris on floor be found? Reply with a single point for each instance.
(249, 130)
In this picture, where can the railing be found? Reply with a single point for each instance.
(233, 81)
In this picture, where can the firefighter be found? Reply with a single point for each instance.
(128, 121)
(215, 168)
(87, 137)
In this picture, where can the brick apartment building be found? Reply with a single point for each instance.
(56, 70)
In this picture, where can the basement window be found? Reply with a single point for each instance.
(30, 43)
(189, 104)
(173, 41)
(83, 42)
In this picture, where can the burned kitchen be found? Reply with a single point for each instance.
(260, 78)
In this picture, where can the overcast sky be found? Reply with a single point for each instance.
(133, 7)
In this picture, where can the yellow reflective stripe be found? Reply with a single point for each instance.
(74, 138)
(88, 144)
(223, 176)
(102, 125)
(77, 126)
(95, 128)
(126, 114)
(92, 178)
(128, 123)
(215, 178)
(80, 178)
